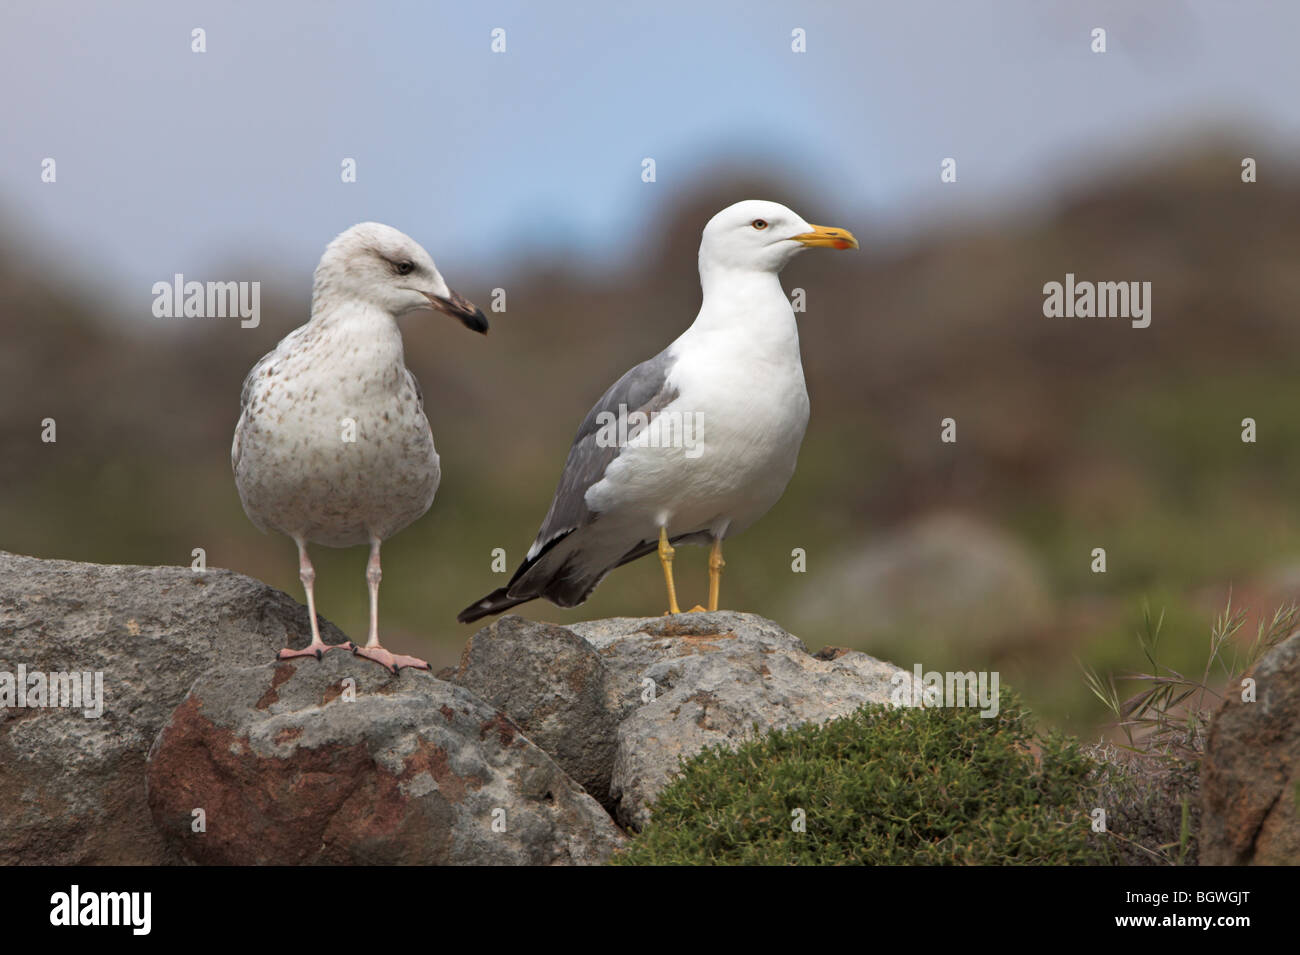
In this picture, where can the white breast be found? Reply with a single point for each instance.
(743, 403)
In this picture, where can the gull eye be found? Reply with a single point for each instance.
(759, 224)
(403, 268)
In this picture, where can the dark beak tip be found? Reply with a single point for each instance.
(459, 307)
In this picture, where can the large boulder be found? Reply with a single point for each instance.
(340, 762)
(72, 788)
(689, 681)
(1250, 773)
(555, 686)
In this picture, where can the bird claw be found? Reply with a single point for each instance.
(697, 609)
(392, 662)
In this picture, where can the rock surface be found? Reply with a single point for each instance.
(555, 686)
(1250, 774)
(686, 682)
(292, 764)
(339, 762)
(72, 789)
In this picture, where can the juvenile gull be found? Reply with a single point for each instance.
(333, 446)
(695, 444)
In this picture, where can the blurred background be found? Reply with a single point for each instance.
(522, 170)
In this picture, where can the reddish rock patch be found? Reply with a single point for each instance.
(411, 773)
(282, 673)
(501, 723)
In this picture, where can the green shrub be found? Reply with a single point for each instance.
(883, 786)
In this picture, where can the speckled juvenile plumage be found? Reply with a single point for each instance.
(339, 377)
(333, 446)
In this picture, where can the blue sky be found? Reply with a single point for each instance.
(174, 161)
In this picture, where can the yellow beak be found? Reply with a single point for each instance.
(828, 237)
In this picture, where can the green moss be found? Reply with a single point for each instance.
(883, 786)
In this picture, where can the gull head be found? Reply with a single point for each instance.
(760, 236)
(377, 265)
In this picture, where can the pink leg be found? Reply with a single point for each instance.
(307, 574)
(372, 650)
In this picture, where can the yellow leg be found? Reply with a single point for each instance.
(716, 563)
(666, 552)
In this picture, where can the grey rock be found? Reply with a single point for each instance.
(555, 686)
(72, 789)
(293, 764)
(695, 680)
(1250, 773)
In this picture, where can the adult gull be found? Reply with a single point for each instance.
(695, 444)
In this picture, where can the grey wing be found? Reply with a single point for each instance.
(644, 388)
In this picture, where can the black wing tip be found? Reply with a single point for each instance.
(500, 600)
(494, 603)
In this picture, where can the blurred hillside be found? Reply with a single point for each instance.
(1072, 433)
